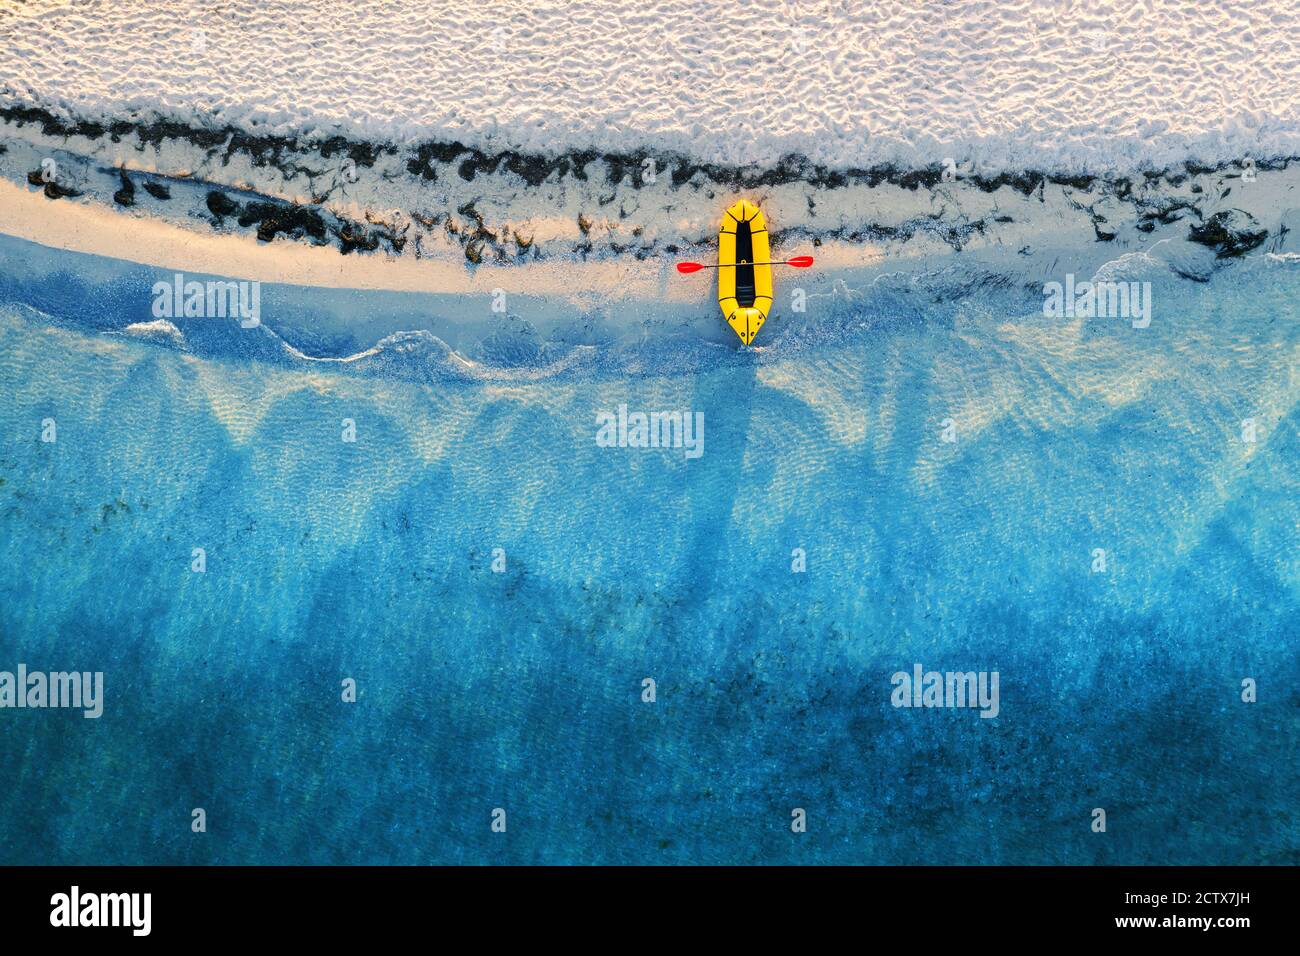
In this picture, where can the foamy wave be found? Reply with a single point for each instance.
(159, 329)
(424, 353)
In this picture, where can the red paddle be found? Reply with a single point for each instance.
(799, 262)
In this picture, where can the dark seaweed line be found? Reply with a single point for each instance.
(274, 216)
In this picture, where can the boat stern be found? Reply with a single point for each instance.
(745, 322)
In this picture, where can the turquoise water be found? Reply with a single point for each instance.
(373, 560)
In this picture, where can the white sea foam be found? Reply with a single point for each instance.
(1099, 85)
(158, 329)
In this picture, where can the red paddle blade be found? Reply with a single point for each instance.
(686, 268)
(801, 262)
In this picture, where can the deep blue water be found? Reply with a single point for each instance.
(522, 690)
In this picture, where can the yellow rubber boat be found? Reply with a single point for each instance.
(744, 289)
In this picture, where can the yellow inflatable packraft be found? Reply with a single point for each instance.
(744, 289)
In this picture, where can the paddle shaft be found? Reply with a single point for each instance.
(732, 265)
(799, 262)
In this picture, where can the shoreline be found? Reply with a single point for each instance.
(586, 255)
(586, 235)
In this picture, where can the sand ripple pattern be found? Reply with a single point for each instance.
(1097, 85)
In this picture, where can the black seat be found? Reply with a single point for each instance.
(744, 274)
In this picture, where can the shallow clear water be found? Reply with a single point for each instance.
(522, 690)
